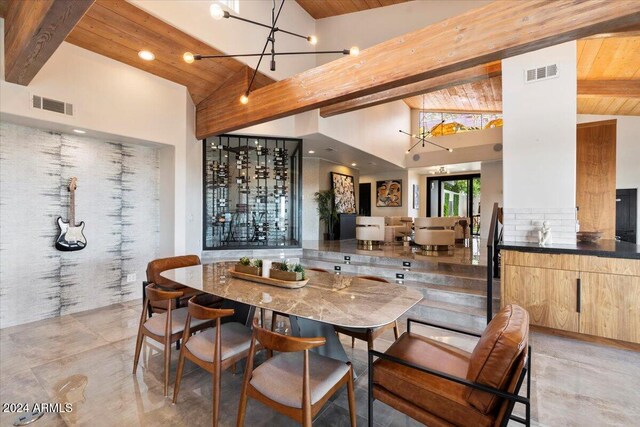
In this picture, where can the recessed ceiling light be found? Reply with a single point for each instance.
(146, 55)
(79, 131)
(353, 164)
(311, 152)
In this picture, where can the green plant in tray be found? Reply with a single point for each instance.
(245, 261)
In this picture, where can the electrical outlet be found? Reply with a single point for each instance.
(131, 277)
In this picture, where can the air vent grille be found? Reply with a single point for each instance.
(541, 73)
(52, 105)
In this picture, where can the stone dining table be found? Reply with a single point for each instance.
(327, 299)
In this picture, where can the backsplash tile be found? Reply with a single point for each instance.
(523, 224)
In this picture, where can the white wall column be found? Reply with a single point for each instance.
(539, 140)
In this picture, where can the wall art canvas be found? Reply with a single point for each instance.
(389, 193)
(416, 196)
(344, 191)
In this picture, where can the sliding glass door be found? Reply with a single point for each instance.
(455, 196)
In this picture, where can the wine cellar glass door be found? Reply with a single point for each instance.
(251, 192)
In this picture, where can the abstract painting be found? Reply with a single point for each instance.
(343, 189)
(416, 196)
(389, 193)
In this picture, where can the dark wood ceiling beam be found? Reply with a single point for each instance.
(609, 88)
(483, 35)
(33, 30)
(469, 75)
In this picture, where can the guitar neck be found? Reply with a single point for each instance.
(72, 208)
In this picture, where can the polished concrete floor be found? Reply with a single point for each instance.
(473, 253)
(86, 359)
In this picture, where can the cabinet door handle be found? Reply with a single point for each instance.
(578, 295)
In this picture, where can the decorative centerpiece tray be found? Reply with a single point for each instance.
(268, 280)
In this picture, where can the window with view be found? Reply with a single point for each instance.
(438, 124)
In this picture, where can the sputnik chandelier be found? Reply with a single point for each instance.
(218, 13)
(422, 135)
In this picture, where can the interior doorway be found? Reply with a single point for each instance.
(455, 195)
(364, 199)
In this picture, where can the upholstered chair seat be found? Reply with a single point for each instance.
(425, 391)
(435, 232)
(236, 338)
(156, 324)
(497, 362)
(370, 229)
(280, 378)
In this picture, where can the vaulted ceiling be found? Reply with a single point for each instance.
(119, 30)
(481, 96)
(611, 59)
(608, 72)
(324, 8)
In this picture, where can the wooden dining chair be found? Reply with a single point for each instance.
(369, 334)
(296, 382)
(154, 276)
(214, 349)
(165, 328)
(275, 314)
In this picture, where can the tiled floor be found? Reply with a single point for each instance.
(86, 359)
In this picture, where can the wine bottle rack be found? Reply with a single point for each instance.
(250, 184)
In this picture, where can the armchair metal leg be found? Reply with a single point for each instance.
(370, 391)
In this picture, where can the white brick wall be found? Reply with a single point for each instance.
(522, 225)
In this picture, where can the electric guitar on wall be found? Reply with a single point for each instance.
(71, 237)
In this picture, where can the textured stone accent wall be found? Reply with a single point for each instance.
(117, 198)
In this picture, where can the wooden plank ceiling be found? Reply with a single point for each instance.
(611, 58)
(479, 96)
(482, 35)
(608, 72)
(119, 30)
(324, 8)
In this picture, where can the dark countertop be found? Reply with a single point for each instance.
(601, 248)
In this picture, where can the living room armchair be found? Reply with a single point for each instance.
(369, 231)
(435, 233)
(441, 385)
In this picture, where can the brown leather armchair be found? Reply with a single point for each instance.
(157, 266)
(440, 385)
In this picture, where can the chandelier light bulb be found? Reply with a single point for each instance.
(451, 150)
(354, 51)
(216, 11)
(244, 99)
(313, 40)
(188, 57)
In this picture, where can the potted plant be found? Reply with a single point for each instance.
(325, 201)
(287, 272)
(248, 266)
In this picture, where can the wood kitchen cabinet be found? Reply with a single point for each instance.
(585, 294)
(550, 296)
(610, 306)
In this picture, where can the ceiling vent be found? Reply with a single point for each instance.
(541, 73)
(60, 107)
